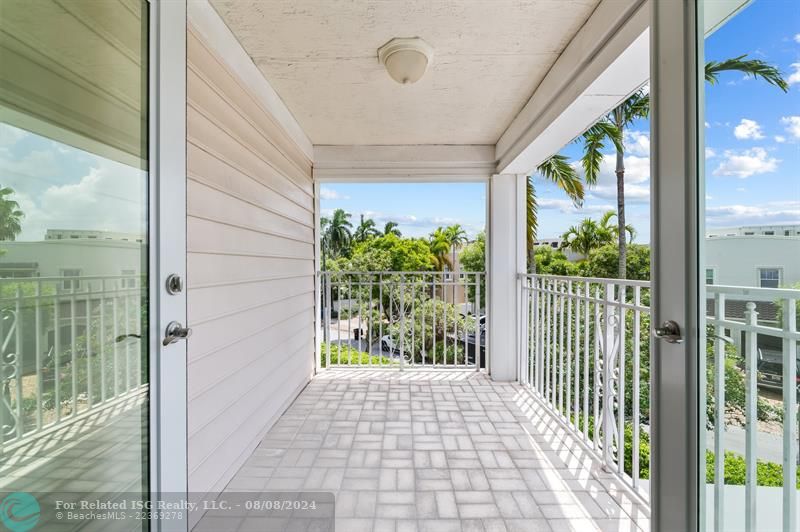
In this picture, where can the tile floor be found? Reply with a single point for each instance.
(436, 451)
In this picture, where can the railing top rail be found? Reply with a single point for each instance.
(391, 272)
(765, 294)
(69, 278)
(599, 280)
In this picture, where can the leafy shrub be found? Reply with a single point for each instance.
(767, 473)
(349, 355)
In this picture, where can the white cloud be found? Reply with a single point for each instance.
(748, 129)
(792, 124)
(111, 197)
(794, 77)
(780, 139)
(797, 38)
(710, 153)
(567, 207)
(746, 163)
(637, 143)
(766, 213)
(331, 194)
(741, 189)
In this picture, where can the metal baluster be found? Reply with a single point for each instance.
(533, 336)
(413, 318)
(479, 337)
(637, 346)
(568, 352)
(598, 423)
(586, 326)
(433, 298)
(719, 425)
(38, 346)
(349, 319)
(622, 297)
(751, 419)
(89, 379)
(789, 414)
(18, 319)
(561, 287)
(328, 307)
(402, 321)
(57, 354)
(115, 317)
(102, 335)
(577, 354)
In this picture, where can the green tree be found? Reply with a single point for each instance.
(366, 229)
(550, 261)
(473, 259)
(392, 253)
(557, 170)
(10, 215)
(604, 262)
(611, 128)
(440, 248)
(391, 229)
(338, 235)
(586, 237)
(456, 236)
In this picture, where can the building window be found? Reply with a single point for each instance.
(748, 233)
(770, 233)
(71, 281)
(128, 278)
(787, 233)
(709, 275)
(769, 277)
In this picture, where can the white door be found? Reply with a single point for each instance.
(726, 249)
(92, 223)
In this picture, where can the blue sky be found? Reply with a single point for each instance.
(752, 140)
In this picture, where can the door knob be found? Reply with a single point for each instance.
(175, 331)
(669, 331)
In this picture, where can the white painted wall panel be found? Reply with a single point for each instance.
(250, 242)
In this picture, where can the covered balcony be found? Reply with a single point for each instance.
(495, 399)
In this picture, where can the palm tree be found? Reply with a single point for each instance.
(338, 235)
(585, 237)
(324, 224)
(365, 230)
(612, 128)
(440, 248)
(755, 68)
(10, 215)
(557, 170)
(605, 224)
(456, 236)
(391, 229)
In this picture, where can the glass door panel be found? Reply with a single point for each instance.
(750, 263)
(74, 165)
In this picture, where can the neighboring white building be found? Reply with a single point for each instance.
(755, 230)
(83, 234)
(72, 257)
(762, 256)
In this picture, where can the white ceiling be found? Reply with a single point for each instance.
(320, 57)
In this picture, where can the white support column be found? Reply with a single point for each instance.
(506, 250)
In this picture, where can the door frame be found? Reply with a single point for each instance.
(167, 243)
(677, 479)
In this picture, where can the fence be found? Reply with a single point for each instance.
(585, 351)
(70, 345)
(403, 319)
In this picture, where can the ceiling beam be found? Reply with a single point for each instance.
(406, 163)
(606, 61)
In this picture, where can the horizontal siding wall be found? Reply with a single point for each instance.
(250, 225)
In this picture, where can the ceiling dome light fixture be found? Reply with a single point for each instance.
(405, 59)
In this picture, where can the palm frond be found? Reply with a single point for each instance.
(558, 170)
(751, 67)
(592, 156)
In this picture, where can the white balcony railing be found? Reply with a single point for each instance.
(403, 319)
(585, 352)
(68, 346)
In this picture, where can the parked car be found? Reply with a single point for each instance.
(390, 344)
(770, 373)
(473, 345)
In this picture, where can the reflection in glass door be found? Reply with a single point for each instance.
(74, 246)
(750, 262)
